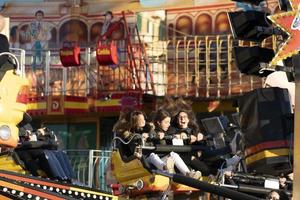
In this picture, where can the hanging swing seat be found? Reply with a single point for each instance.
(107, 53)
(70, 54)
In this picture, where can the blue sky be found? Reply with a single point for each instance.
(3, 1)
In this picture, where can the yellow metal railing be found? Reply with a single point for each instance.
(199, 66)
(220, 77)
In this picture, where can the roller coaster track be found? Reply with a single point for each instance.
(19, 186)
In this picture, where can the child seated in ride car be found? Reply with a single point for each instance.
(137, 125)
(185, 127)
(162, 123)
(187, 130)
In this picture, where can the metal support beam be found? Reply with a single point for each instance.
(296, 182)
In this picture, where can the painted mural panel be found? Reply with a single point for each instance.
(22, 37)
(203, 24)
(206, 17)
(222, 24)
(95, 32)
(189, 20)
(198, 22)
(184, 25)
(74, 30)
(34, 34)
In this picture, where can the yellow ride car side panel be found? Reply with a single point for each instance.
(11, 111)
(10, 86)
(160, 183)
(8, 163)
(124, 172)
(129, 173)
(182, 188)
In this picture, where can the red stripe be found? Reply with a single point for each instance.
(75, 99)
(32, 18)
(101, 16)
(112, 108)
(37, 112)
(36, 99)
(118, 95)
(108, 108)
(77, 111)
(70, 98)
(267, 145)
(28, 180)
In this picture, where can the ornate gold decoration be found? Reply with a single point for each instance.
(287, 21)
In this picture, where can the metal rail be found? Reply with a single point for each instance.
(185, 65)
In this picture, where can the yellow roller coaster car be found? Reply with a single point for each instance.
(13, 98)
(133, 176)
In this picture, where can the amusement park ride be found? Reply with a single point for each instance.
(266, 155)
(107, 54)
(17, 184)
(134, 176)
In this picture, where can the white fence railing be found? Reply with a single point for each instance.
(90, 167)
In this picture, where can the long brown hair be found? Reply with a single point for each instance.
(192, 121)
(160, 116)
(175, 106)
(123, 124)
(134, 119)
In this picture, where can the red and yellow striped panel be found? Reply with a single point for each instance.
(75, 105)
(267, 154)
(37, 106)
(114, 102)
(106, 102)
(266, 146)
(60, 105)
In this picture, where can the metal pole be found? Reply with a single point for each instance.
(87, 70)
(229, 62)
(218, 63)
(196, 65)
(64, 81)
(296, 183)
(19, 62)
(91, 170)
(207, 65)
(177, 66)
(22, 63)
(47, 72)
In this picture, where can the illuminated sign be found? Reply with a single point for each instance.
(103, 52)
(66, 53)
